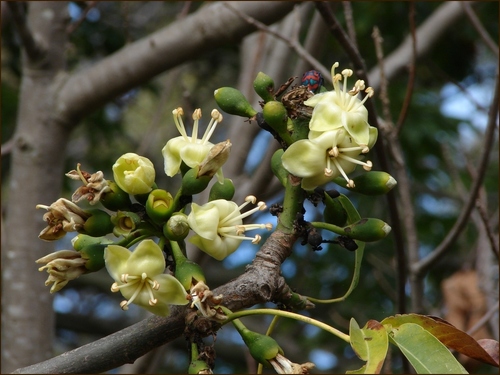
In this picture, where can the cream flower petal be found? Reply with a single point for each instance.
(115, 258)
(194, 153)
(304, 158)
(170, 292)
(172, 155)
(147, 257)
(203, 220)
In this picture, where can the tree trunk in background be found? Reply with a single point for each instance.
(37, 160)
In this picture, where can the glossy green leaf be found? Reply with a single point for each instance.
(448, 334)
(370, 343)
(424, 351)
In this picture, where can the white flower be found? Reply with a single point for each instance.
(188, 149)
(341, 108)
(219, 227)
(139, 277)
(324, 156)
(134, 174)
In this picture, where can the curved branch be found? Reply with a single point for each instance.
(427, 35)
(262, 282)
(424, 264)
(212, 26)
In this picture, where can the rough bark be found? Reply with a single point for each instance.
(37, 167)
(52, 102)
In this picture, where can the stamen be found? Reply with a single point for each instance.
(196, 118)
(251, 198)
(216, 119)
(179, 124)
(328, 172)
(341, 170)
(368, 164)
(257, 239)
(85, 183)
(124, 305)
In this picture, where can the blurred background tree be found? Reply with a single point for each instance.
(84, 82)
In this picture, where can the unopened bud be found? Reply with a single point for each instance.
(159, 205)
(115, 199)
(276, 116)
(98, 224)
(191, 184)
(370, 183)
(367, 230)
(222, 191)
(264, 86)
(232, 101)
(177, 227)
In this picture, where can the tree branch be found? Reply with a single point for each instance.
(262, 282)
(427, 35)
(32, 48)
(424, 264)
(212, 26)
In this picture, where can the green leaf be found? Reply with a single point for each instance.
(352, 214)
(370, 343)
(448, 334)
(424, 351)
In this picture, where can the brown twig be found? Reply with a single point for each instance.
(301, 51)
(32, 48)
(424, 264)
(358, 62)
(350, 22)
(485, 219)
(73, 26)
(384, 97)
(476, 23)
(484, 319)
(411, 75)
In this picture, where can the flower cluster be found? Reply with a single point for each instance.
(339, 135)
(141, 275)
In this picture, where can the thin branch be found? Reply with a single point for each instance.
(350, 22)
(484, 319)
(384, 97)
(424, 264)
(471, 15)
(73, 26)
(427, 34)
(32, 48)
(411, 75)
(486, 222)
(88, 89)
(358, 62)
(292, 43)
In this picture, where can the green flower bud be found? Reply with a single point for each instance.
(264, 86)
(197, 366)
(116, 199)
(94, 254)
(186, 270)
(368, 230)
(134, 174)
(334, 212)
(262, 348)
(124, 222)
(277, 167)
(98, 224)
(159, 205)
(143, 198)
(232, 101)
(177, 227)
(191, 184)
(370, 183)
(276, 116)
(82, 240)
(222, 191)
